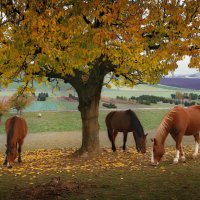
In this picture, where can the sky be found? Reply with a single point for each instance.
(183, 68)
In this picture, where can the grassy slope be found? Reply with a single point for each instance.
(138, 90)
(142, 182)
(71, 121)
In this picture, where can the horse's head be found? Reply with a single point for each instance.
(157, 152)
(141, 143)
(11, 153)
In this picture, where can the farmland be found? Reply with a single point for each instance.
(188, 83)
(48, 154)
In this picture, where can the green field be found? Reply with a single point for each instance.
(138, 90)
(71, 121)
(52, 140)
(121, 175)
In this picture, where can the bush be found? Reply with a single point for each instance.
(121, 97)
(109, 105)
(189, 103)
(177, 102)
(149, 99)
(42, 96)
(132, 98)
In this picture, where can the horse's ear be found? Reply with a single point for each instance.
(155, 141)
(146, 134)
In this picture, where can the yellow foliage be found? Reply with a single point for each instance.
(4, 105)
(146, 37)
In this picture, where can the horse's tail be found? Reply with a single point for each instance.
(136, 123)
(10, 129)
(108, 124)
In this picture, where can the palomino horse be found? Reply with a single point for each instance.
(178, 122)
(16, 130)
(125, 121)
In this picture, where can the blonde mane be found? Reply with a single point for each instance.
(165, 125)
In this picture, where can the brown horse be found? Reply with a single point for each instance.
(16, 130)
(178, 122)
(125, 121)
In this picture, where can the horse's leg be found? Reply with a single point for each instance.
(5, 161)
(19, 150)
(113, 140)
(196, 137)
(125, 139)
(182, 154)
(178, 148)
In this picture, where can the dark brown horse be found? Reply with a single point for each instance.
(125, 121)
(16, 130)
(178, 122)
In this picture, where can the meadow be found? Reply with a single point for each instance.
(51, 171)
(48, 155)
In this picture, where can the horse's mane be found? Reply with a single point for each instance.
(166, 122)
(11, 130)
(136, 122)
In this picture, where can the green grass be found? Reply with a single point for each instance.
(71, 121)
(51, 104)
(138, 90)
(167, 181)
(164, 182)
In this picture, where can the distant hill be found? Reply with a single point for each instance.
(196, 75)
(189, 82)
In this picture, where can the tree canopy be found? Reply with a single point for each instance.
(137, 40)
(80, 41)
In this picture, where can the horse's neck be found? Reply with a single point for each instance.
(162, 132)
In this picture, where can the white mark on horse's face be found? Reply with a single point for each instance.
(153, 162)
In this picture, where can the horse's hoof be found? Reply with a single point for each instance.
(183, 159)
(19, 161)
(154, 163)
(194, 156)
(9, 167)
(5, 163)
(175, 161)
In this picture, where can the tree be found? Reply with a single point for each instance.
(82, 41)
(20, 102)
(179, 97)
(4, 106)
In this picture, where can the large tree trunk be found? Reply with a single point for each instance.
(90, 126)
(89, 92)
(88, 86)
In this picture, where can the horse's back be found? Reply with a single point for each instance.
(188, 119)
(19, 124)
(193, 113)
(121, 121)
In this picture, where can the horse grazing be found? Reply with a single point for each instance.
(178, 122)
(125, 121)
(16, 130)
